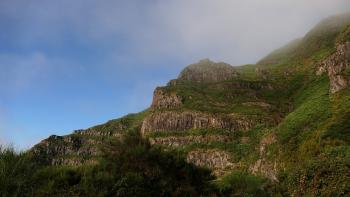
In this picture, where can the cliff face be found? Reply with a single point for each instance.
(182, 121)
(163, 100)
(337, 66)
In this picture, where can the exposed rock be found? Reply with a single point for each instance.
(182, 121)
(261, 85)
(163, 100)
(172, 82)
(335, 65)
(259, 104)
(94, 132)
(215, 159)
(208, 71)
(59, 150)
(186, 140)
(263, 73)
(263, 166)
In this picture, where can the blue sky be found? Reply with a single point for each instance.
(68, 65)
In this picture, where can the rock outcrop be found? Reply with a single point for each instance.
(258, 104)
(182, 121)
(263, 166)
(208, 71)
(95, 132)
(336, 66)
(164, 100)
(262, 73)
(176, 141)
(75, 149)
(215, 159)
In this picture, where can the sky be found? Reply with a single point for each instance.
(67, 65)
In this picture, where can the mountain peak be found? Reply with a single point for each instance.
(208, 71)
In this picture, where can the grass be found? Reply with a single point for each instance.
(312, 106)
(128, 122)
(240, 183)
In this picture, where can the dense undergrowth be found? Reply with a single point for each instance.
(128, 167)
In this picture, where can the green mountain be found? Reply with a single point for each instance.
(277, 128)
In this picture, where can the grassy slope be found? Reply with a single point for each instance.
(314, 137)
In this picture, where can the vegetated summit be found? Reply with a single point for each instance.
(285, 119)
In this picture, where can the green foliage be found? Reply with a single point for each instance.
(15, 170)
(128, 123)
(129, 167)
(312, 106)
(242, 184)
(325, 175)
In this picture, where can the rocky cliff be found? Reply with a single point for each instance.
(337, 66)
(165, 100)
(208, 71)
(182, 121)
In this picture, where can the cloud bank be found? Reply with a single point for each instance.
(231, 30)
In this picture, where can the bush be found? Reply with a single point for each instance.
(242, 184)
(15, 172)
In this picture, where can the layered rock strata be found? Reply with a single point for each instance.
(182, 121)
(186, 140)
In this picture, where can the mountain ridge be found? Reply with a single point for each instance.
(285, 118)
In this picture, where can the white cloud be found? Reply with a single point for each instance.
(235, 31)
(230, 30)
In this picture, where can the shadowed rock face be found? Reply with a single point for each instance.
(182, 121)
(79, 148)
(65, 150)
(215, 159)
(208, 71)
(335, 66)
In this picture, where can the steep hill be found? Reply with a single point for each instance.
(286, 118)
